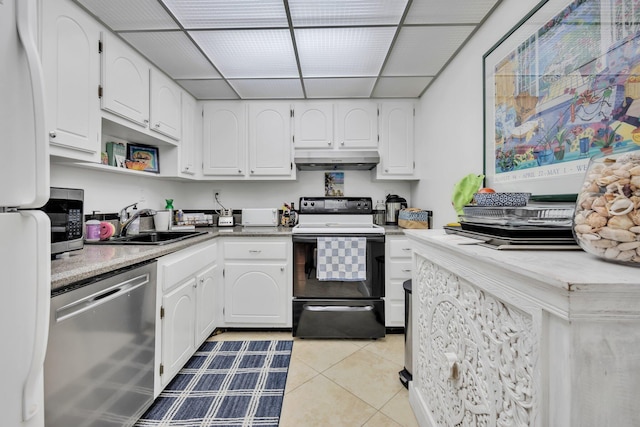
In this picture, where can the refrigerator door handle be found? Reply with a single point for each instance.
(31, 393)
(25, 20)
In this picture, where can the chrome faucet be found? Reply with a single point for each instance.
(124, 215)
(125, 225)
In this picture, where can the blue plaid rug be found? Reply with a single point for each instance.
(225, 383)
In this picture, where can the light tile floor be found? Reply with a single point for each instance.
(341, 382)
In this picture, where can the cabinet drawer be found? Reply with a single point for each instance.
(399, 248)
(395, 289)
(180, 265)
(256, 250)
(399, 270)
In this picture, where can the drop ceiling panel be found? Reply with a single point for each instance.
(343, 51)
(402, 87)
(449, 11)
(268, 88)
(208, 89)
(200, 14)
(339, 88)
(341, 12)
(131, 15)
(249, 53)
(423, 51)
(173, 52)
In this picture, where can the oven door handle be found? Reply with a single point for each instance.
(314, 238)
(338, 308)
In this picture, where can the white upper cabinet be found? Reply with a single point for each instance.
(247, 140)
(224, 139)
(71, 63)
(356, 124)
(270, 152)
(396, 141)
(313, 125)
(165, 105)
(188, 137)
(125, 81)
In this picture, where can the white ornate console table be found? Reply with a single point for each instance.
(522, 338)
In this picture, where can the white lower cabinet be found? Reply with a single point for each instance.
(188, 282)
(257, 282)
(397, 271)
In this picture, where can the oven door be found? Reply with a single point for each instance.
(307, 285)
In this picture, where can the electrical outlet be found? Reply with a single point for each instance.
(142, 196)
(216, 195)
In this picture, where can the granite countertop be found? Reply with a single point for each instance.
(94, 260)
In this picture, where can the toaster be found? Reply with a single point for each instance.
(267, 217)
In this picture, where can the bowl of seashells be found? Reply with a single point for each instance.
(607, 214)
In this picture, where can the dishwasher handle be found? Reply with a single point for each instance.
(92, 301)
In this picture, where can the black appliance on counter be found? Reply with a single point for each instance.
(336, 307)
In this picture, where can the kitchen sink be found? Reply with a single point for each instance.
(151, 238)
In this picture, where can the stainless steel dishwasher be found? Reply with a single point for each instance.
(100, 357)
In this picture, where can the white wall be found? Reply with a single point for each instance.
(449, 133)
(109, 192)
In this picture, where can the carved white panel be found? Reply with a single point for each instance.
(476, 355)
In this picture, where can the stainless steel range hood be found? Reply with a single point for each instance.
(336, 159)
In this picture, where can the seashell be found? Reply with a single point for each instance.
(635, 217)
(589, 236)
(617, 234)
(621, 206)
(603, 181)
(600, 201)
(625, 255)
(627, 246)
(601, 210)
(635, 181)
(622, 222)
(596, 221)
(583, 228)
(622, 173)
(635, 171)
(580, 218)
(611, 253)
(604, 243)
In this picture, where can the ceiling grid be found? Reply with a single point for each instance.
(296, 49)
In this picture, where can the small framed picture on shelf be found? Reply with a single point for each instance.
(144, 154)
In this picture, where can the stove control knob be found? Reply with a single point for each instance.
(305, 203)
(313, 203)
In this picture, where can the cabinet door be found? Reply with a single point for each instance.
(357, 125)
(187, 141)
(313, 125)
(71, 62)
(224, 139)
(177, 328)
(270, 139)
(165, 111)
(396, 139)
(125, 81)
(256, 293)
(205, 299)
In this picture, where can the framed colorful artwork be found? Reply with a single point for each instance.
(562, 86)
(146, 154)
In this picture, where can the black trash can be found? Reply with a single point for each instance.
(405, 374)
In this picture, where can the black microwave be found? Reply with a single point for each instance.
(65, 210)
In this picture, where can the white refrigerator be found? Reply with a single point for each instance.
(25, 260)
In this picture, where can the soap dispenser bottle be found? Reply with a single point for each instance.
(92, 229)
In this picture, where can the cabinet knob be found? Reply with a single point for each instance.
(453, 366)
(157, 125)
(254, 251)
(281, 268)
(239, 170)
(52, 134)
(386, 170)
(329, 143)
(406, 270)
(342, 143)
(146, 120)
